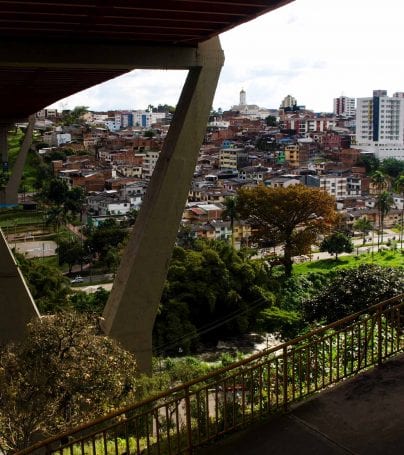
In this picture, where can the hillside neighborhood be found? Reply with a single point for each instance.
(112, 155)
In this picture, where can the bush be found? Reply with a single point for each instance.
(63, 374)
(351, 290)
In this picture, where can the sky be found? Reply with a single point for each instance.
(314, 50)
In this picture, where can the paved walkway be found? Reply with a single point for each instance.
(363, 415)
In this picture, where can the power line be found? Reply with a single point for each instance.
(209, 327)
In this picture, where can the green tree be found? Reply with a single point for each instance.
(108, 234)
(352, 290)
(271, 120)
(131, 216)
(363, 225)
(74, 201)
(92, 303)
(56, 217)
(63, 374)
(392, 167)
(74, 116)
(337, 243)
(211, 292)
(292, 216)
(379, 180)
(149, 133)
(399, 187)
(48, 286)
(384, 203)
(370, 162)
(56, 191)
(70, 252)
(112, 260)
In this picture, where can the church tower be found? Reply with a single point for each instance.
(243, 101)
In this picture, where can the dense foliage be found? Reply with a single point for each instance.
(337, 243)
(48, 286)
(63, 374)
(211, 292)
(351, 290)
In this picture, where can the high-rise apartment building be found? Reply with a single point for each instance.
(344, 106)
(288, 102)
(380, 124)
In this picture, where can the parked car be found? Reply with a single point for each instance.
(77, 279)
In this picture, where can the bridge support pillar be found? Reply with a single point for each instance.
(3, 142)
(17, 307)
(132, 306)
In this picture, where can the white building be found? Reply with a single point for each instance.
(380, 125)
(251, 111)
(149, 162)
(288, 102)
(334, 185)
(145, 119)
(344, 106)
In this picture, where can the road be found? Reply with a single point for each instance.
(93, 288)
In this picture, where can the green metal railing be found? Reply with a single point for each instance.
(185, 417)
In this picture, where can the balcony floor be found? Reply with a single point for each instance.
(362, 415)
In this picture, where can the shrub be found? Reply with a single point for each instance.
(63, 374)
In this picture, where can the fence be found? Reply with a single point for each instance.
(185, 417)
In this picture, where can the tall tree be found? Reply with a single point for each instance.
(74, 201)
(379, 180)
(70, 252)
(292, 216)
(399, 187)
(56, 217)
(384, 203)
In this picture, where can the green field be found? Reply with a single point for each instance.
(387, 258)
(29, 176)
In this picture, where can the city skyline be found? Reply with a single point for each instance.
(307, 49)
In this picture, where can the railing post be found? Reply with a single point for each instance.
(379, 336)
(285, 378)
(188, 417)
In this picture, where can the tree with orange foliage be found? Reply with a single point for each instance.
(292, 217)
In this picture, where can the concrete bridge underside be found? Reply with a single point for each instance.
(51, 50)
(132, 307)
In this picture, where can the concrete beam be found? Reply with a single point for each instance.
(132, 306)
(124, 56)
(3, 142)
(17, 306)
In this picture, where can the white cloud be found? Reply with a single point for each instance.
(312, 49)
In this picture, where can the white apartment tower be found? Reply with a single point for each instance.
(288, 101)
(380, 124)
(344, 106)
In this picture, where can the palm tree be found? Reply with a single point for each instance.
(384, 202)
(231, 212)
(363, 225)
(379, 180)
(399, 187)
(56, 216)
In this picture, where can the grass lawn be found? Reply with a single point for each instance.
(385, 259)
(30, 168)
